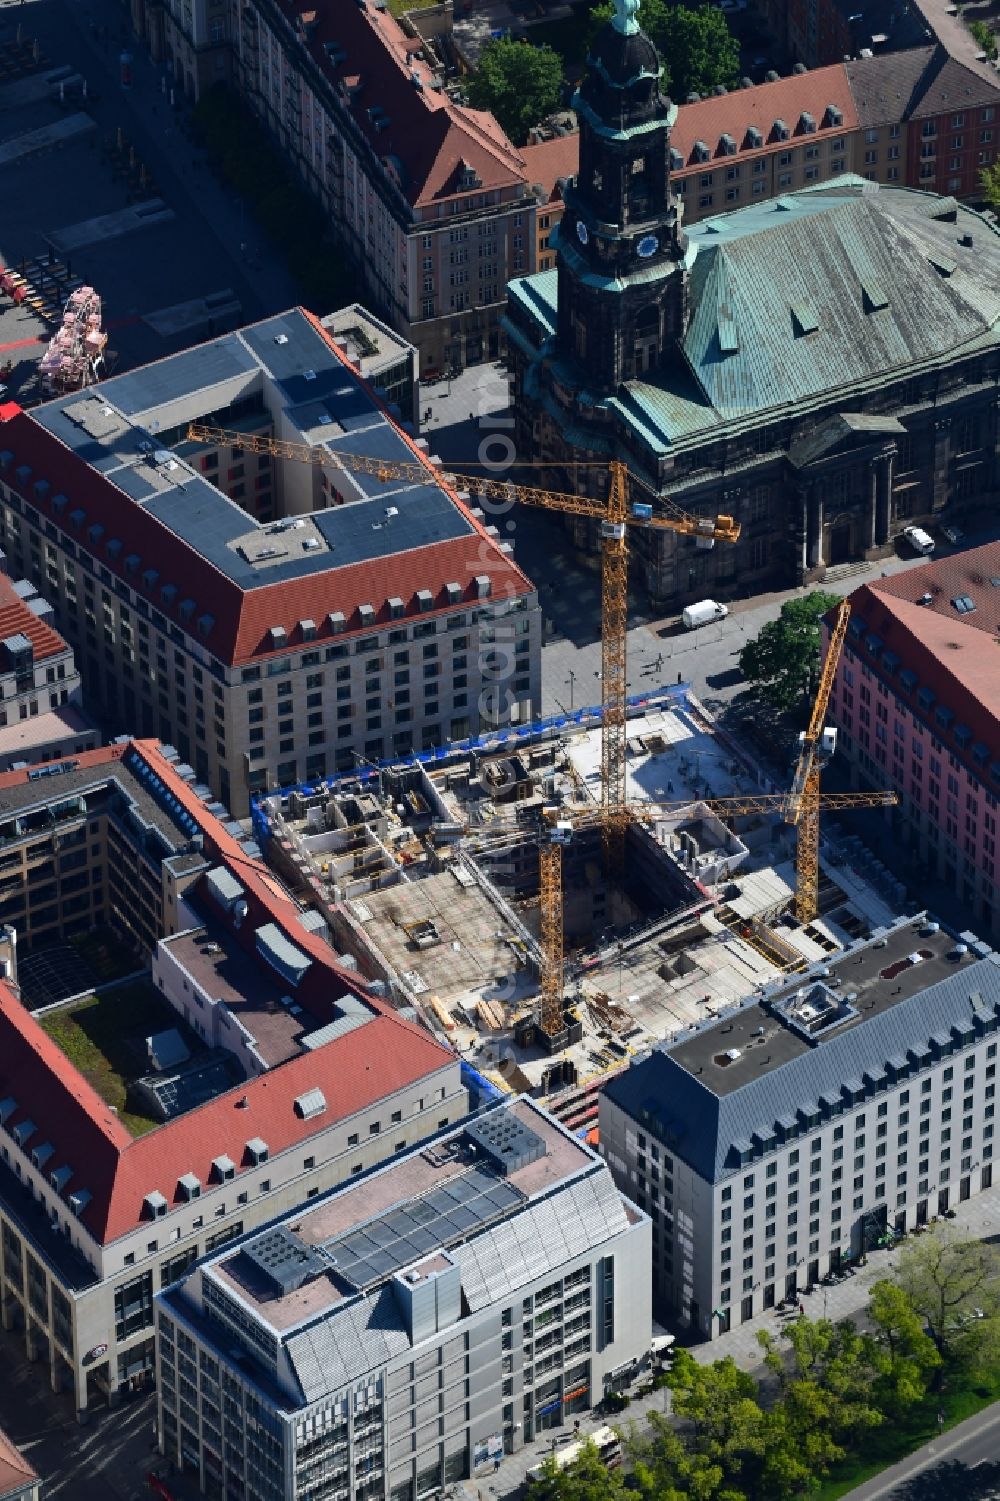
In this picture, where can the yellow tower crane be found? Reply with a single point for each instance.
(804, 801)
(615, 516)
(559, 825)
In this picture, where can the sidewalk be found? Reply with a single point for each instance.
(842, 1300)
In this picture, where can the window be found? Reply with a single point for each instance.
(134, 1306)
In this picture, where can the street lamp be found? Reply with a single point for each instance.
(571, 684)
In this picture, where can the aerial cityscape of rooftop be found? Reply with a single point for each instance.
(499, 749)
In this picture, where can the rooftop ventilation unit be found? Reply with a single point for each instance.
(283, 1261)
(505, 1141)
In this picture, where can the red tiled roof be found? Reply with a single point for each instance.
(15, 1471)
(354, 1071)
(16, 617)
(725, 114)
(428, 135)
(787, 99)
(954, 654)
(243, 619)
(548, 161)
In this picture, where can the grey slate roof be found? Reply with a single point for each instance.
(887, 285)
(917, 84)
(886, 87)
(701, 1127)
(316, 391)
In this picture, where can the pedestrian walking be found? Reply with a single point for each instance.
(802, 1308)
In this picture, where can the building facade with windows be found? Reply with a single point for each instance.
(271, 618)
(428, 196)
(926, 118)
(274, 1071)
(811, 1122)
(189, 37)
(41, 697)
(408, 1331)
(815, 405)
(915, 703)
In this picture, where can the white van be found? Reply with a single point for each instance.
(703, 613)
(918, 539)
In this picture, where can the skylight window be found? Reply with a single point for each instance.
(964, 604)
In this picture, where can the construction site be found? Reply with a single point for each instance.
(432, 878)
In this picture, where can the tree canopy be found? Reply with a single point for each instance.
(782, 662)
(951, 1282)
(696, 47)
(990, 179)
(519, 82)
(586, 1479)
(830, 1390)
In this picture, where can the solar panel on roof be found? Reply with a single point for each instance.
(373, 1251)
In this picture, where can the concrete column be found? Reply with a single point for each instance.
(942, 449)
(816, 559)
(871, 526)
(883, 503)
(802, 534)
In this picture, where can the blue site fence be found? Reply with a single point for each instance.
(673, 696)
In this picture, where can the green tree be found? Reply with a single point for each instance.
(989, 177)
(951, 1280)
(904, 1355)
(520, 83)
(586, 1479)
(825, 1384)
(696, 47)
(726, 1422)
(664, 1468)
(783, 661)
(986, 38)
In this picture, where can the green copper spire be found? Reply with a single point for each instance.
(626, 17)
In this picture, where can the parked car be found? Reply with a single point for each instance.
(953, 534)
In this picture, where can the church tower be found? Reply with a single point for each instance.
(620, 242)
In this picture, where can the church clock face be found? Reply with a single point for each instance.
(648, 246)
(582, 233)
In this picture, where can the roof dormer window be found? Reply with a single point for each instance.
(189, 1187)
(257, 1151)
